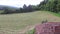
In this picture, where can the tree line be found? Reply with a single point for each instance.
(50, 5)
(25, 9)
(46, 5)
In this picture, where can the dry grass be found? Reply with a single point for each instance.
(17, 23)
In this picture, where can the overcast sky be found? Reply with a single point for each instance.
(19, 3)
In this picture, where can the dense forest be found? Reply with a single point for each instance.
(50, 5)
(46, 5)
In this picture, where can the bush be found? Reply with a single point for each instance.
(31, 31)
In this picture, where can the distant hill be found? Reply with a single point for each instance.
(2, 7)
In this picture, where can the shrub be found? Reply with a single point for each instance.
(31, 31)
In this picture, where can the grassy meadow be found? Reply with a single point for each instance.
(16, 23)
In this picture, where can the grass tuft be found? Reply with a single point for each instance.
(31, 31)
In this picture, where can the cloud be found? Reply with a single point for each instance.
(19, 3)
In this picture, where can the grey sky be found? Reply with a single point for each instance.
(19, 3)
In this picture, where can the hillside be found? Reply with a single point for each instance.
(19, 23)
(2, 7)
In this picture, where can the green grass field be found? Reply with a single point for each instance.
(13, 23)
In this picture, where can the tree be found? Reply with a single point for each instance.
(25, 8)
(55, 6)
(21, 10)
(6, 10)
(50, 5)
(29, 8)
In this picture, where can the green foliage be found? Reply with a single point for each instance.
(31, 31)
(50, 5)
(35, 7)
(56, 14)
